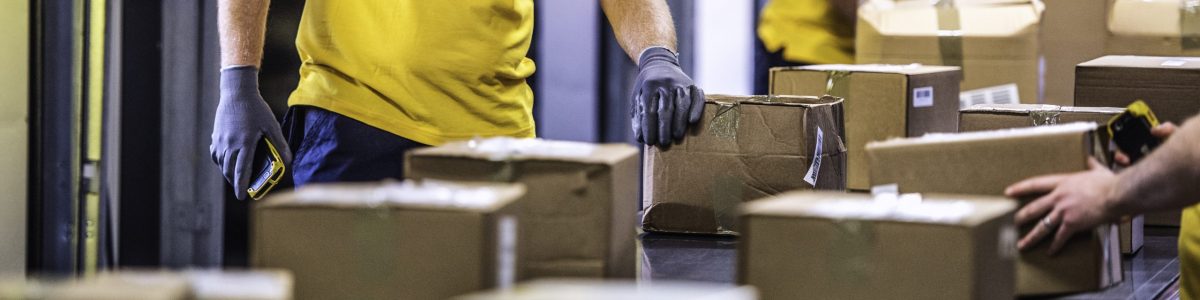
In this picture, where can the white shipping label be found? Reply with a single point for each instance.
(1000, 94)
(815, 168)
(1008, 241)
(922, 97)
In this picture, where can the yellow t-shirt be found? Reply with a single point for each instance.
(430, 71)
(1189, 253)
(808, 31)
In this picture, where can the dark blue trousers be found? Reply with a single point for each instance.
(328, 147)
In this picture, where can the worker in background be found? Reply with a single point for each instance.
(803, 32)
(1168, 178)
(382, 77)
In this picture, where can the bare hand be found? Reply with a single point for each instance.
(1071, 203)
(1162, 131)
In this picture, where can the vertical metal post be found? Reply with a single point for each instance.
(192, 191)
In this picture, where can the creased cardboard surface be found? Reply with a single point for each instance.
(696, 186)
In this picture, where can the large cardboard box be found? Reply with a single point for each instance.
(1153, 27)
(828, 245)
(149, 284)
(119, 285)
(1072, 32)
(985, 163)
(576, 289)
(995, 42)
(881, 102)
(1003, 116)
(579, 216)
(409, 240)
(1167, 84)
(744, 148)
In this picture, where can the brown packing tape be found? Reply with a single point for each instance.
(1189, 25)
(950, 40)
(725, 200)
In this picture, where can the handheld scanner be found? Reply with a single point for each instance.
(269, 170)
(1130, 130)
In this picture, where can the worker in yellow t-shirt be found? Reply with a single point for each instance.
(1165, 179)
(379, 77)
(804, 32)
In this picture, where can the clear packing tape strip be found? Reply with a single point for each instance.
(950, 41)
(1189, 25)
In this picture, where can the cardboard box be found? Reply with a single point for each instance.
(1131, 233)
(828, 245)
(1167, 84)
(410, 240)
(744, 148)
(881, 102)
(995, 42)
(240, 285)
(546, 289)
(579, 216)
(1153, 27)
(985, 163)
(1072, 32)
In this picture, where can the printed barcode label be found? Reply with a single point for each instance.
(1000, 94)
(506, 248)
(815, 168)
(922, 97)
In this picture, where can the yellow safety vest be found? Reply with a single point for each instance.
(808, 31)
(431, 71)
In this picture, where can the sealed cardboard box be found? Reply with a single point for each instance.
(881, 102)
(828, 245)
(1072, 32)
(995, 42)
(1153, 27)
(579, 217)
(577, 289)
(411, 240)
(1166, 84)
(985, 163)
(744, 148)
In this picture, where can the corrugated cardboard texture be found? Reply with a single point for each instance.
(1072, 32)
(546, 289)
(999, 40)
(985, 166)
(879, 104)
(1167, 84)
(696, 186)
(365, 249)
(578, 218)
(1147, 27)
(790, 255)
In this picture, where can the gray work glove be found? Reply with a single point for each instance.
(243, 118)
(665, 100)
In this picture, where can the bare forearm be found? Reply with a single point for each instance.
(242, 25)
(640, 24)
(1167, 178)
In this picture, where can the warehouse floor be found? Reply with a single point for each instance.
(1149, 274)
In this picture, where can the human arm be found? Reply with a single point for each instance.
(1164, 179)
(242, 117)
(664, 100)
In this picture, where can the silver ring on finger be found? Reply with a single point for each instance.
(1048, 223)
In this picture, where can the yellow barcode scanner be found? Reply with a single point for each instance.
(1130, 130)
(270, 170)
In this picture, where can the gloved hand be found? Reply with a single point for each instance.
(243, 118)
(665, 100)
